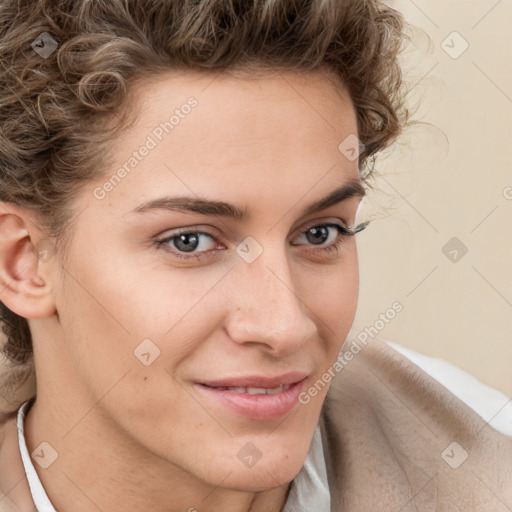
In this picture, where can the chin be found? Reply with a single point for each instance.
(256, 471)
(264, 478)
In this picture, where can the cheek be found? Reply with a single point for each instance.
(124, 314)
(332, 295)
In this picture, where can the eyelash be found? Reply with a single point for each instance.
(343, 233)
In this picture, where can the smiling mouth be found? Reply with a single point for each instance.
(253, 391)
(256, 403)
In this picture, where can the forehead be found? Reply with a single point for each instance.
(239, 106)
(234, 137)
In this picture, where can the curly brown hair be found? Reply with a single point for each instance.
(59, 109)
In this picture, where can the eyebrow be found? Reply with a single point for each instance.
(351, 188)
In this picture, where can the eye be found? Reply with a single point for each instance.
(184, 243)
(187, 244)
(336, 234)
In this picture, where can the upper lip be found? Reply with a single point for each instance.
(257, 381)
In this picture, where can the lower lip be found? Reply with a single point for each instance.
(257, 407)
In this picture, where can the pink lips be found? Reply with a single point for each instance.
(253, 403)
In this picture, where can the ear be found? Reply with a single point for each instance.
(25, 264)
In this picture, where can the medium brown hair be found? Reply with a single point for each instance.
(58, 111)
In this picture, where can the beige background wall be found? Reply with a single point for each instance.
(452, 178)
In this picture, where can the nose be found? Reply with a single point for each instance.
(268, 309)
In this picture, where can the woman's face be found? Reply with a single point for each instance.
(147, 317)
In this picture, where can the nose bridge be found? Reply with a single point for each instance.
(269, 310)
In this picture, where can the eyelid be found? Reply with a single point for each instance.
(196, 228)
(332, 220)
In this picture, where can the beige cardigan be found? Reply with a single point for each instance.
(395, 440)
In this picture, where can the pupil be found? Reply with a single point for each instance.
(185, 239)
(316, 231)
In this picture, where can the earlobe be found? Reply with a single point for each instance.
(24, 286)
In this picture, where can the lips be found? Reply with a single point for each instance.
(253, 390)
(255, 397)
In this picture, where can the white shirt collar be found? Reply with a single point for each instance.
(41, 501)
(309, 489)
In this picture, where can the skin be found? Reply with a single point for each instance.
(124, 431)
